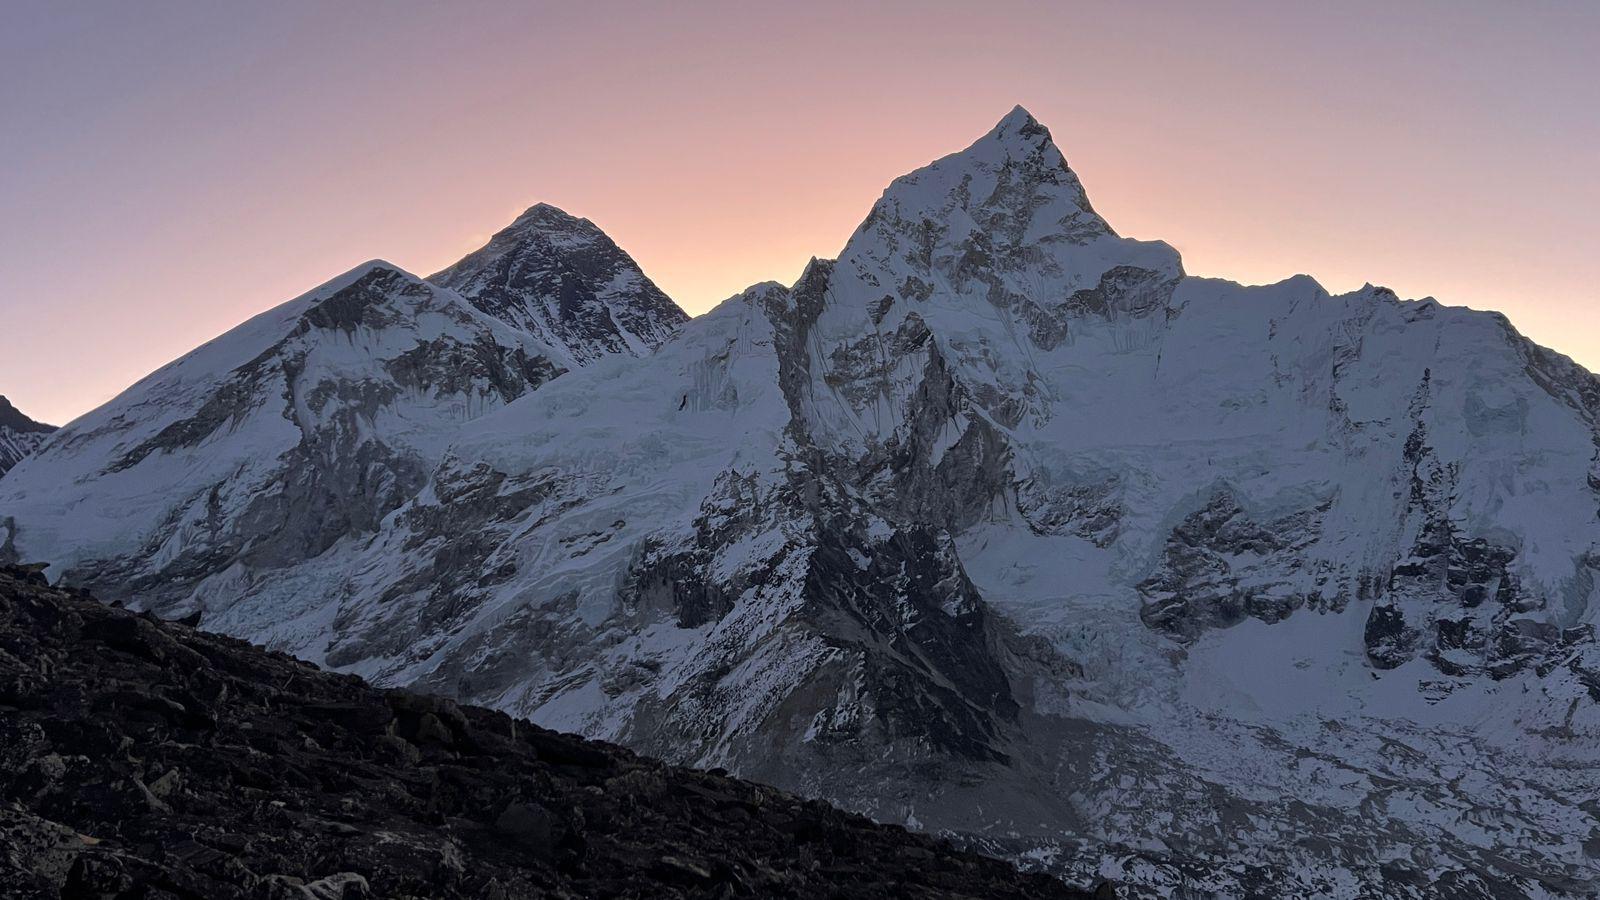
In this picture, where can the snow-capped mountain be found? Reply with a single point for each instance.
(1001, 524)
(19, 435)
(565, 282)
(221, 473)
(269, 444)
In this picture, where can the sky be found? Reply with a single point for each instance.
(168, 169)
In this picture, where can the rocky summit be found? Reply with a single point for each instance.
(19, 435)
(563, 280)
(146, 759)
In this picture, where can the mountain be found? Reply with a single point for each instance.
(565, 282)
(1000, 525)
(269, 444)
(220, 475)
(19, 435)
(259, 776)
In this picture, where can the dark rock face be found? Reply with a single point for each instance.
(143, 759)
(1220, 566)
(12, 418)
(1449, 597)
(19, 435)
(1456, 599)
(924, 638)
(561, 279)
(919, 647)
(912, 642)
(1124, 291)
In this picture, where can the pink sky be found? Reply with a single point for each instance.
(169, 169)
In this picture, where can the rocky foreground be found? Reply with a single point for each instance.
(147, 759)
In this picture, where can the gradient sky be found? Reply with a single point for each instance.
(169, 169)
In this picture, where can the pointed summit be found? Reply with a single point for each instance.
(561, 279)
(1020, 125)
(547, 215)
(1005, 218)
(1011, 176)
(1017, 136)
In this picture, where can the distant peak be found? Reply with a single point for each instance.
(1018, 118)
(561, 279)
(1019, 126)
(1015, 164)
(361, 274)
(544, 209)
(13, 418)
(376, 267)
(546, 214)
(543, 229)
(1017, 136)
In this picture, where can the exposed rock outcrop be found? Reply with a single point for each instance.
(19, 435)
(564, 281)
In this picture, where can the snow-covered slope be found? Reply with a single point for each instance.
(269, 444)
(1000, 524)
(220, 475)
(19, 435)
(564, 281)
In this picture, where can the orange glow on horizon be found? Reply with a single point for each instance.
(205, 169)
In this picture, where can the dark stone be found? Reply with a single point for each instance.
(1388, 640)
(157, 761)
(530, 825)
(1218, 565)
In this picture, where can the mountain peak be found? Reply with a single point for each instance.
(358, 274)
(14, 419)
(1014, 165)
(1019, 125)
(1007, 206)
(383, 266)
(542, 229)
(546, 214)
(563, 280)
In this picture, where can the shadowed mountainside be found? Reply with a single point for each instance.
(141, 758)
(19, 435)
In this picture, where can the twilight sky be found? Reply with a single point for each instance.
(168, 169)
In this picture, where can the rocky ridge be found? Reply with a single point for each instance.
(19, 435)
(564, 281)
(143, 759)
